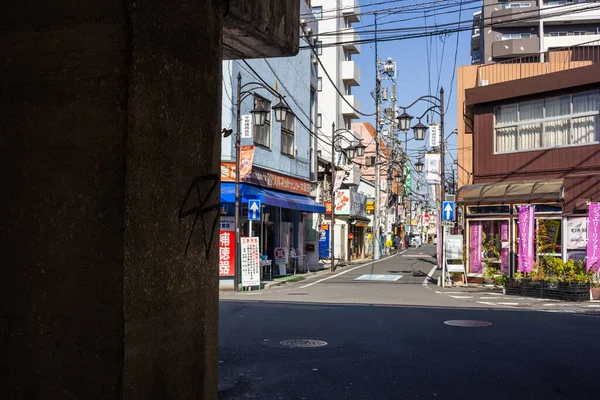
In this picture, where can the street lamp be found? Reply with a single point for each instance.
(437, 105)
(404, 121)
(358, 150)
(419, 166)
(259, 116)
(398, 178)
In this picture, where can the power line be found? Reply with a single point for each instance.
(455, 59)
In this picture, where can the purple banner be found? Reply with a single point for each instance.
(593, 238)
(475, 247)
(526, 239)
(504, 250)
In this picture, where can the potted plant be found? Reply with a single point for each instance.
(595, 286)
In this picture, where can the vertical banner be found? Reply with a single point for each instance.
(246, 158)
(324, 241)
(226, 253)
(504, 245)
(246, 126)
(432, 165)
(434, 135)
(338, 179)
(526, 238)
(475, 247)
(250, 261)
(593, 236)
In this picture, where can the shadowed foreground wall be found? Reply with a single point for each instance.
(109, 110)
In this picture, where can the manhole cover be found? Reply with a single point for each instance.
(303, 343)
(467, 323)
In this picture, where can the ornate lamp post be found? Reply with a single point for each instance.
(259, 115)
(351, 151)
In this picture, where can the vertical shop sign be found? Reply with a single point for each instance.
(526, 242)
(504, 244)
(324, 242)
(250, 262)
(226, 253)
(475, 247)
(593, 243)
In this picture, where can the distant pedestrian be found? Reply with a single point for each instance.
(397, 243)
(406, 240)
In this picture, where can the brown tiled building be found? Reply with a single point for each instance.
(534, 140)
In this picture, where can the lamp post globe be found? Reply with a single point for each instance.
(360, 149)
(419, 130)
(419, 166)
(259, 115)
(350, 152)
(281, 111)
(404, 121)
(398, 177)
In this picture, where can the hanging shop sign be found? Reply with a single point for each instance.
(328, 207)
(267, 178)
(250, 261)
(246, 126)
(434, 135)
(324, 241)
(348, 202)
(370, 207)
(432, 165)
(576, 233)
(593, 242)
(526, 238)
(475, 247)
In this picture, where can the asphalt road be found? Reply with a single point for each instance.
(388, 340)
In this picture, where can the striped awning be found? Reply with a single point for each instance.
(512, 192)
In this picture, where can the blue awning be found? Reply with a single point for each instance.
(270, 197)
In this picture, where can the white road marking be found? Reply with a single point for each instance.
(417, 255)
(490, 298)
(593, 305)
(345, 272)
(460, 297)
(429, 276)
(508, 304)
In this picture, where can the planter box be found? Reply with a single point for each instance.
(595, 293)
(547, 290)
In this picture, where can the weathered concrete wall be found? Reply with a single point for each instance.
(171, 300)
(63, 113)
(109, 110)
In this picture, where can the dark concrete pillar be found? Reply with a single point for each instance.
(109, 113)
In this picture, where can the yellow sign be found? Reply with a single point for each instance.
(370, 207)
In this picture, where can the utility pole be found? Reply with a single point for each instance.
(440, 245)
(332, 230)
(392, 141)
(376, 238)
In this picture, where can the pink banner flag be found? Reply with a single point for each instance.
(526, 238)
(475, 247)
(593, 238)
(504, 255)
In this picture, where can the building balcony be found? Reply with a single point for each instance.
(513, 48)
(347, 111)
(572, 13)
(351, 73)
(526, 16)
(350, 38)
(350, 10)
(560, 42)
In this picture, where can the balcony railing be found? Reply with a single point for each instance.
(554, 60)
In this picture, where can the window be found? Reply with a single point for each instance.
(319, 84)
(508, 36)
(319, 47)
(318, 12)
(551, 122)
(262, 134)
(482, 210)
(515, 5)
(476, 32)
(319, 120)
(476, 55)
(287, 135)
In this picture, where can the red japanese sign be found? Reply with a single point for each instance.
(328, 207)
(266, 178)
(226, 253)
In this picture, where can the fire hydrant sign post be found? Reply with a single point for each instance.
(250, 262)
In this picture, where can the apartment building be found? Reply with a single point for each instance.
(506, 29)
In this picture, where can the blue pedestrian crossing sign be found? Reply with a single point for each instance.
(448, 211)
(254, 210)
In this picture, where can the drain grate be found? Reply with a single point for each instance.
(467, 323)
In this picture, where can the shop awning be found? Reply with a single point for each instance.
(360, 221)
(270, 197)
(512, 192)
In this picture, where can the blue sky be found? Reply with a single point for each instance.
(413, 74)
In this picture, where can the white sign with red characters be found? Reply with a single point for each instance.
(226, 253)
(281, 256)
(250, 261)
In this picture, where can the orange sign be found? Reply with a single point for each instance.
(246, 158)
(324, 227)
(351, 236)
(263, 177)
(328, 207)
